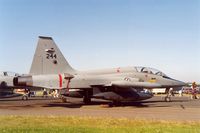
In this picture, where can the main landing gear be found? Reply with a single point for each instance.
(87, 97)
(115, 103)
(168, 99)
(64, 99)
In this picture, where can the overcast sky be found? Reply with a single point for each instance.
(163, 34)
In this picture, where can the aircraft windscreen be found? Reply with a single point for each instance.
(150, 71)
(7, 73)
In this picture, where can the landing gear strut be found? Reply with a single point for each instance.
(168, 97)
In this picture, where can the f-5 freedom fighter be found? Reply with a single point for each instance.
(51, 70)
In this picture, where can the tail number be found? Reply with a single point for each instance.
(51, 56)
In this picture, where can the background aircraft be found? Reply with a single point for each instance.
(51, 70)
(8, 89)
(6, 84)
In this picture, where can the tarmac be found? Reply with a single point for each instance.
(180, 109)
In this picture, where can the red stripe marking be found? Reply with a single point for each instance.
(60, 80)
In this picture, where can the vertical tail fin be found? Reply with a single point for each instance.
(48, 59)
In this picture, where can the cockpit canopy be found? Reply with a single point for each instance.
(150, 71)
(7, 73)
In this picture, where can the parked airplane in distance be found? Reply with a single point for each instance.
(6, 84)
(51, 70)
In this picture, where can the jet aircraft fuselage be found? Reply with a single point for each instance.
(51, 70)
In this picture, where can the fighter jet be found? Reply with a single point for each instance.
(52, 71)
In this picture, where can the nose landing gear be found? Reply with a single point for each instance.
(169, 92)
(168, 99)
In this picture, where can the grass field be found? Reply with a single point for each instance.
(55, 124)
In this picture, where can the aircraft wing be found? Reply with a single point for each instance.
(135, 84)
(122, 82)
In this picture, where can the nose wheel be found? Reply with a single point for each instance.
(168, 99)
(24, 97)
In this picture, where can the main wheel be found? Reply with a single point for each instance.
(86, 100)
(168, 99)
(64, 100)
(116, 103)
(25, 97)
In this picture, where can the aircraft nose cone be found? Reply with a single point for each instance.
(180, 83)
(183, 83)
